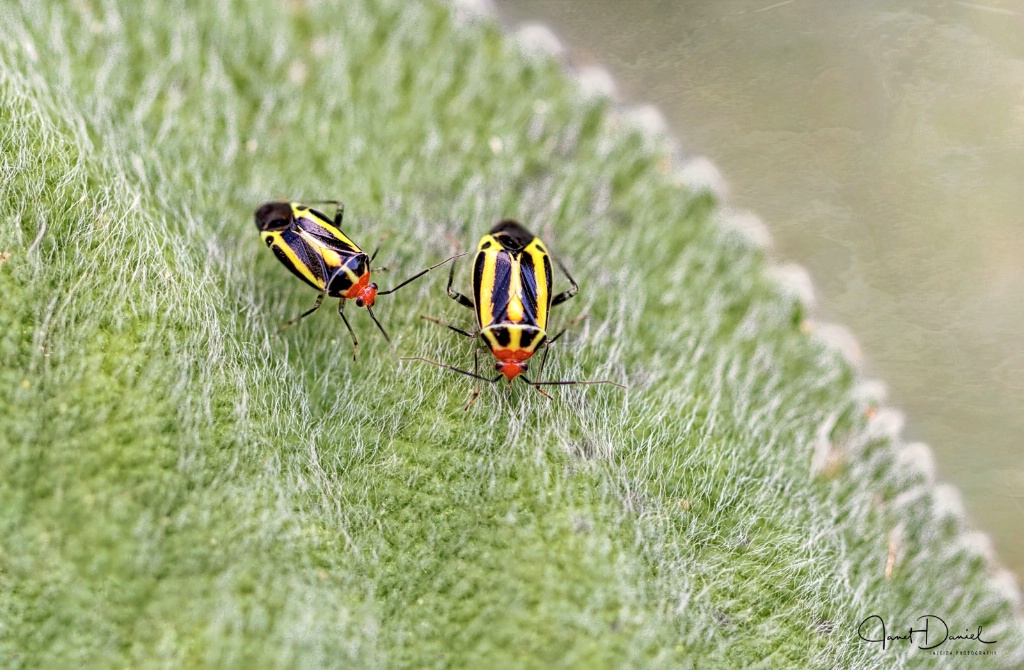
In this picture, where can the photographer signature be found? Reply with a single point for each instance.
(933, 626)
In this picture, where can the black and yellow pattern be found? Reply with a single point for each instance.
(511, 300)
(511, 287)
(316, 251)
(313, 247)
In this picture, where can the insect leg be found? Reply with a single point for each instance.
(455, 295)
(544, 359)
(548, 343)
(319, 300)
(476, 371)
(537, 388)
(355, 342)
(567, 326)
(565, 295)
(377, 248)
(446, 325)
(339, 211)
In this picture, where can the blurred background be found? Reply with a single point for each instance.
(883, 144)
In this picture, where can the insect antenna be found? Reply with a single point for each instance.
(569, 383)
(454, 369)
(383, 332)
(421, 273)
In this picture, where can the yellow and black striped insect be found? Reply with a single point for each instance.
(316, 250)
(512, 298)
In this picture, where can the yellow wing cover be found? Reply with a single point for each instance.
(512, 278)
(315, 250)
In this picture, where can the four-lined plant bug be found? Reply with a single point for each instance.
(316, 250)
(512, 298)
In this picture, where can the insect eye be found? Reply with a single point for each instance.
(359, 302)
(524, 367)
(499, 366)
(373, 286)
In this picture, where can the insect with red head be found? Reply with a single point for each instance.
(316, 250)
(512, 299)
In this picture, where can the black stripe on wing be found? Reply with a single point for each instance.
(478, 277)
(307, 255)
(336, 241)
(549, 279)
(528, 275)
(499, 289)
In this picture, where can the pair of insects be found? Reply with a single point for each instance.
(512, 282)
